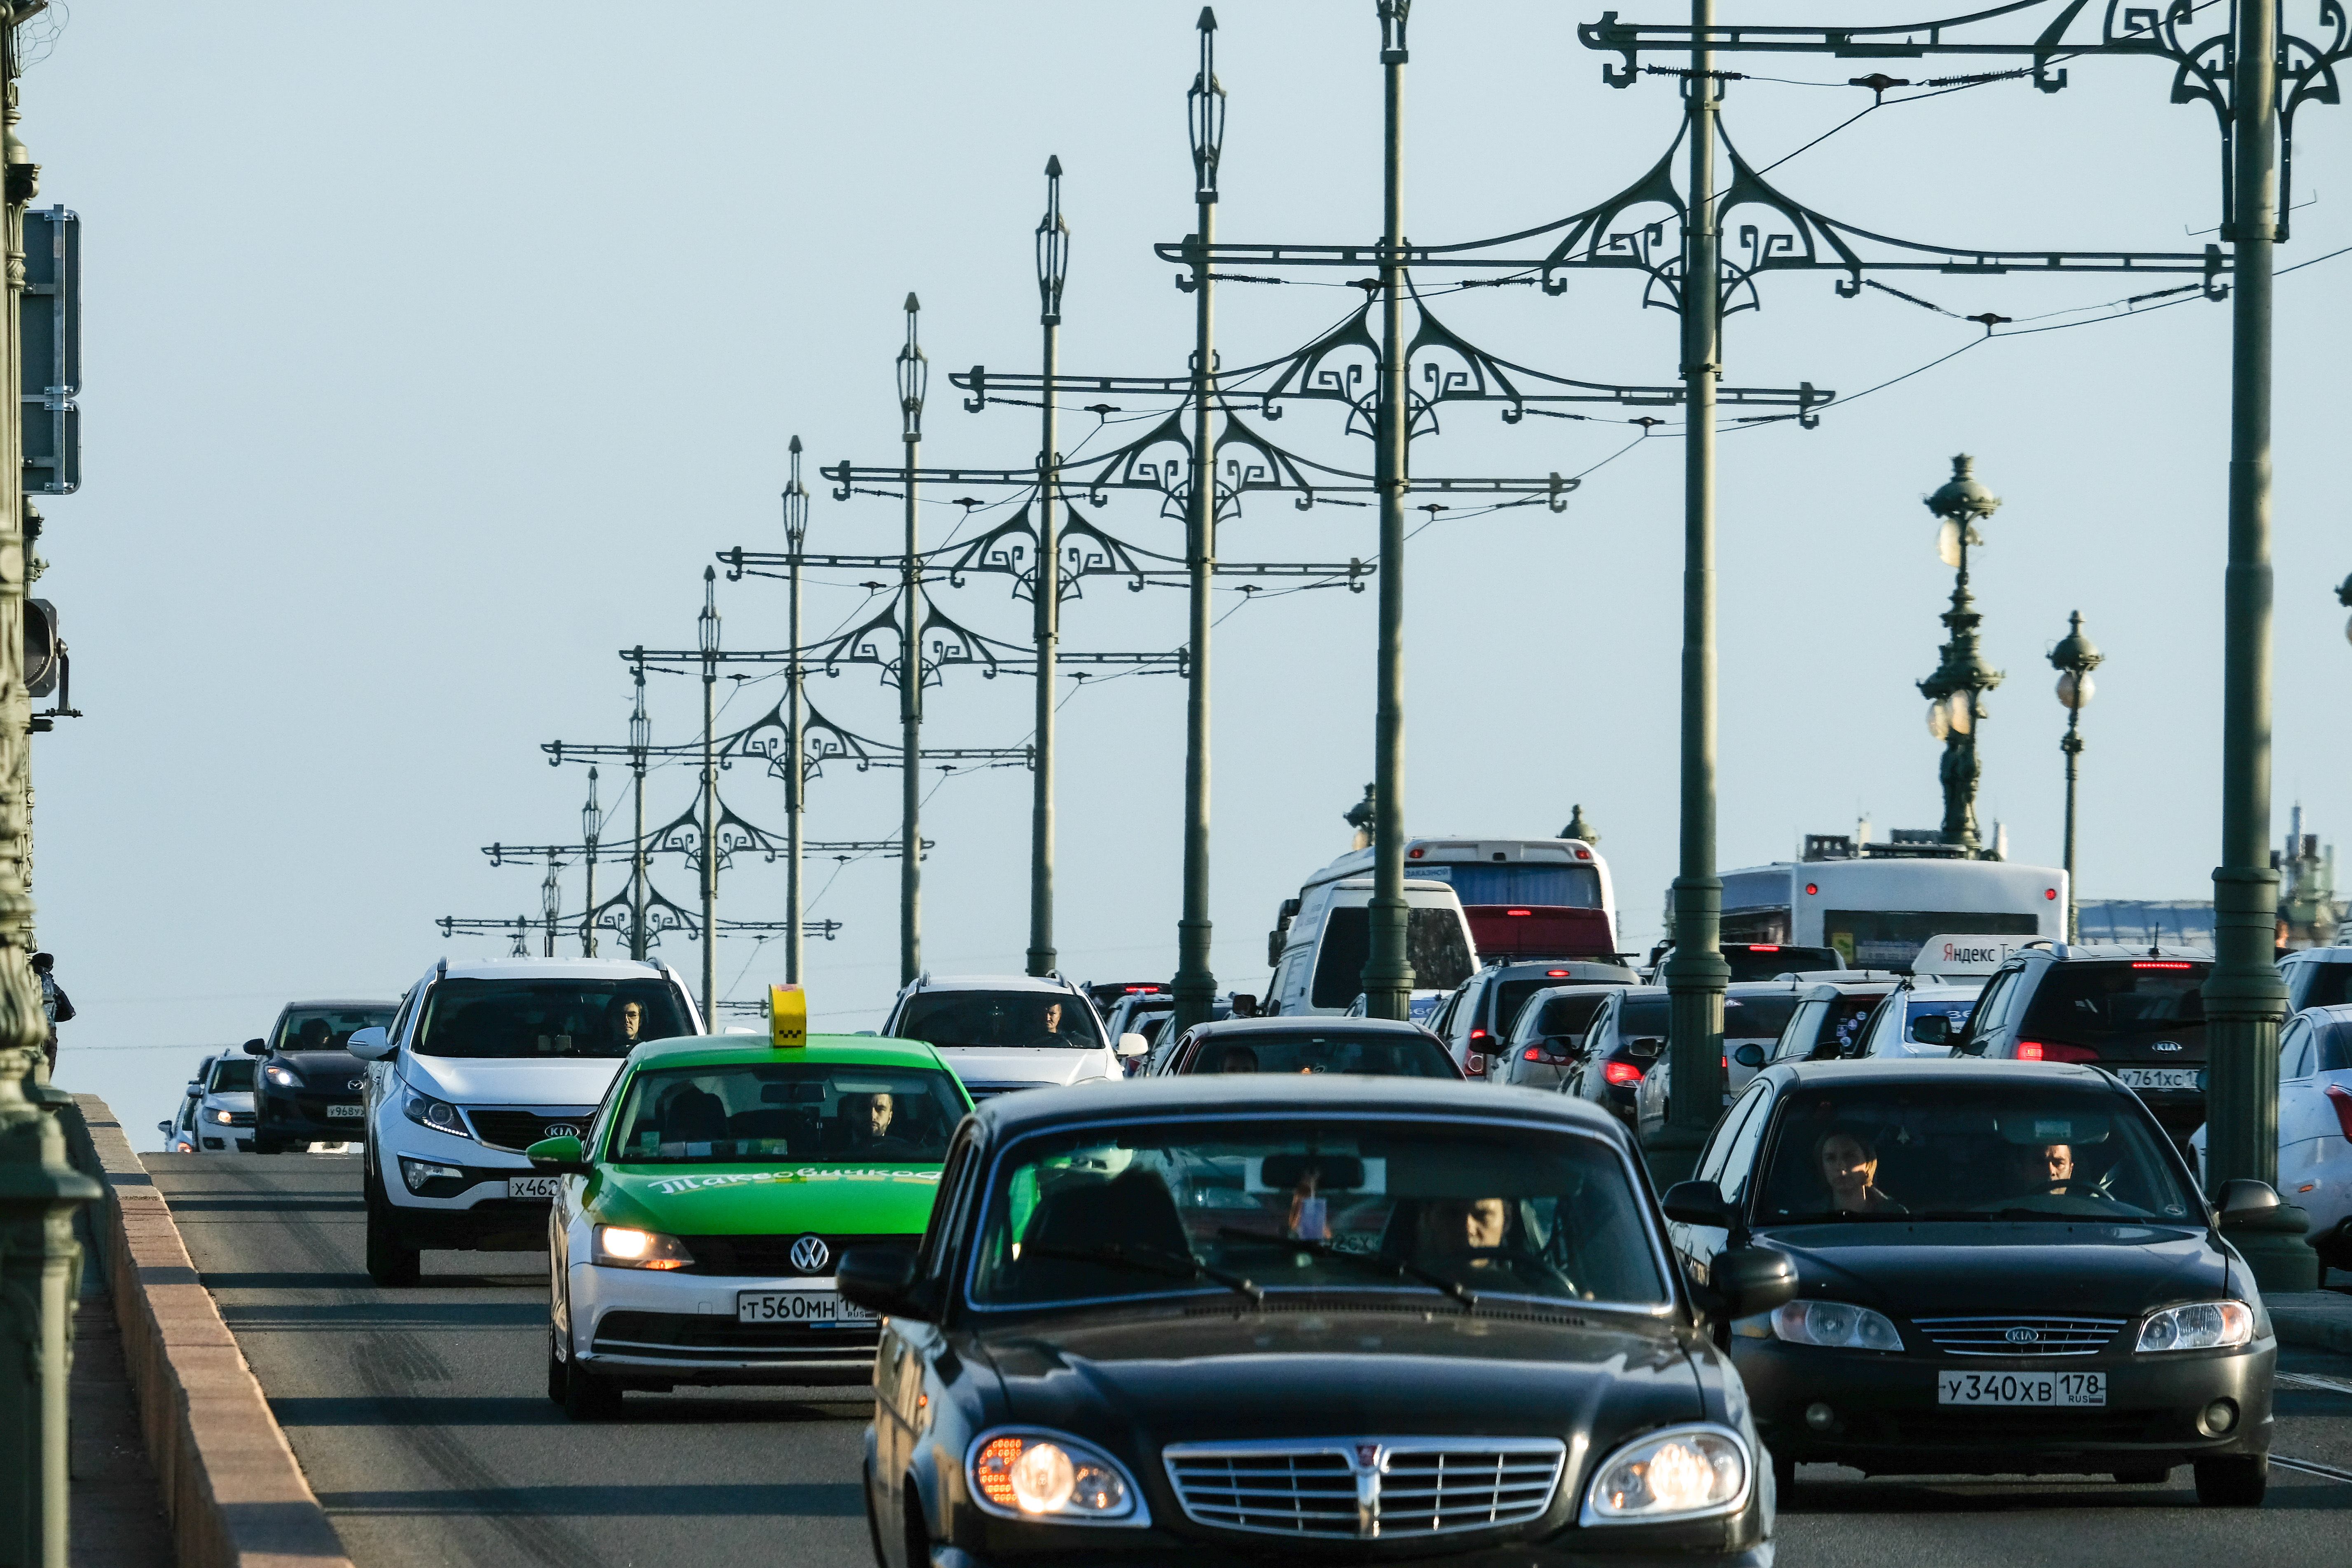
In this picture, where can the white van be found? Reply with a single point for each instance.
(1329, 937)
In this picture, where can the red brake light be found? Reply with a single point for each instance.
(1766, 946)
(2339, 1100)
(2028, 1050)
(1584, 854)
(1531, 1054)
(1621, 1072)
(1812, 888)
(2167, 964)
(1413, 854)
(1477, 1034)
(1518, 912)
(1727, 1064)
(2051, 893)
(1554, 973)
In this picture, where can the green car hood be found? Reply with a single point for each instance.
(766, 1200)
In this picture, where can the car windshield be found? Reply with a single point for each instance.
(2089, 1004)
(805, 1113)
(1001, 1018)
(1570, 1015)
(1642, 1017)
(547, 1018)
(1434, 946)
(1376, 1052)
(234, 1075)
(324, 1029)
(1758, 1017)
(1945, 1150)
(1321, 1204)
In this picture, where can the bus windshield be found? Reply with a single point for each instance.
(1568, 887)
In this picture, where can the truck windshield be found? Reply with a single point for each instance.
(547, 1018)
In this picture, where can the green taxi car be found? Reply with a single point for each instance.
(695, 1232)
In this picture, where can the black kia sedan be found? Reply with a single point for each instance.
(1255, 1318)
(2002, 1269)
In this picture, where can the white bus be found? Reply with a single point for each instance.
(1878, 909)
(1524, 897)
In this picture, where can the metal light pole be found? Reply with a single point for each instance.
(641, 739)
(551, 904)
(2244, 997)
(795, 770)
(591, 820)
(2074, 657)
(1196, 982)
(1388, 967)
(706, 628)
(1052, 269)
(1954, 710)
(914, 376)
(1695, 972)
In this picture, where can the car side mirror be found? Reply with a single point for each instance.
(370, 1045)
(2245, 1197)
(164, 1128)
(881, 1279)
(1133, 1046)
(1697, 1203)
(1645, 1048)
(256, 1048)
(195, 1086)
(566, 1156)
(1746, 1280)
(1933, 1029)
(1751, 1055)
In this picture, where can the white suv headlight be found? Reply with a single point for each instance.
(2202, 1326)
(1835, 1325)
(438, 1114)
(1051, 1476)
(1683, 1472)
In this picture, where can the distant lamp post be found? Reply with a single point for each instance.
(591, 819)
(2344, 597)
(706, 639)
(1579, 828)
(2074, 657)
(1954, 691)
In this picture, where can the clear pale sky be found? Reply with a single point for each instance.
(429, 365)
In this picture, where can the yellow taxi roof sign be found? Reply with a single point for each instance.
(787, 1016)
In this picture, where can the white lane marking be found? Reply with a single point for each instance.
(2313, 1380)
(2326, 1472)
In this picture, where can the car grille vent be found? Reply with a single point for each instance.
(1366, 1488)
(751, 1256)
(2020, 1336)
(520, 1130)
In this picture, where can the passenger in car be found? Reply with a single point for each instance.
(1848, 1164)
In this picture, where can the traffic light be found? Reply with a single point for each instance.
(49, 315)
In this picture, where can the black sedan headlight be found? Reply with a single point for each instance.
(1680, 1473)
(283, 1077)
(1051, 1477)
(438, 1114)
(2200, 1326)
(1834, 1325)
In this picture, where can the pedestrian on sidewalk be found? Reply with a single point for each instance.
(56, 1006)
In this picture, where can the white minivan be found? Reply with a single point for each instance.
(1330, 936)
(483, 1060)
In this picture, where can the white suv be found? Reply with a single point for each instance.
(483, 1060)
(1004, 1032)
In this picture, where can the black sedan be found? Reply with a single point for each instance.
(1242, 1318)
(2003, 1269)
(1383, 1048)
(310, 1087)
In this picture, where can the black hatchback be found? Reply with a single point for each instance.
(310, 1087)
(1251, 1317)
(2002, 1267)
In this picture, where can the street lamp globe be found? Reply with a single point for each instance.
(2344, 597)
(1939, 722)
(1963, 498)
(2074, 657)
(591, 819)
(706, 625)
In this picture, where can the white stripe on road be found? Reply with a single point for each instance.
(2313, 1380)
(2326, 1472)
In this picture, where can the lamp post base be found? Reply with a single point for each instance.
(1672, 1154)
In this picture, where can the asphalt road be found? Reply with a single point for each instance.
(420, 1418)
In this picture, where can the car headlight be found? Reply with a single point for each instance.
(2201, 1326)
(438, 1114)
(1835, 1325)
(1683, 1472)
(284, 1078)
(419, 1175)
(222, 1117)
(1050, 1475)
(620, 1246)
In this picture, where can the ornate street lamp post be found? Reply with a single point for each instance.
(795, 766)
(1052, 271)
(1953, 707)
(705, 628)
(2344, 597)
(641, 739)
(591, 820)
(2074, 657)
(914, 378)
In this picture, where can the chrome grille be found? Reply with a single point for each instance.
(496, 1128)
(1362, 1488)
(2020, 1336)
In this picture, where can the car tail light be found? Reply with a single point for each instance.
(1763, 947)
(1621, 1072)
(1727, 1064)
(1531, 1055)
(1477, 1034)
(2339, 1100)
(1555, 974)
(2028, 1050)
(2058, 1053)
(2167, 963)
(1531, 911)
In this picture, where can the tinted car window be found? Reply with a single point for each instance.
(1433, 943)
(324, 1029)
(1561, 1016)
(1139, 1210)
(2089, 1003)
(2332, 1048)
(546, 1017)
(1642, 1015)
(1005, 1018)
(1752, 963)
(2329, 985)
(1758, 1017)
(793, 1110)
(1378, 1053)
(234, 1074)
(1946, 1150)
(1576, 887)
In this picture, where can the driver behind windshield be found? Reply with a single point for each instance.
(1848, 1163)
(2041, 1168)
(1051, 1034)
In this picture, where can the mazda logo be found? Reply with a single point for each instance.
(359, 1083)
(2166, 1046)
(809, 1254)
(2021, 1335)
(559, 1129)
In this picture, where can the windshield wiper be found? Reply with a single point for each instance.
(1386, 1264)
(1149, 1260)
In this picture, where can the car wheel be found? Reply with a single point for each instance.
(873, 1522)
(558, 1371)
(589, 1397)
(918, 1532)
(2142, 1475)
(2236, 1481)
(389, 1262)
(267, 1146)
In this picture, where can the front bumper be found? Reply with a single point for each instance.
(651, 1328)
(473, 1213)
(285, 1116)
(1885, 1418)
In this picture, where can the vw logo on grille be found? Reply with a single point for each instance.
(2165, 1045)
(559, 1129)
(2021, 1335)
(809, 1254)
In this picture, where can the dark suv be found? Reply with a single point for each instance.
(2136, 1012)
(310, 1087)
